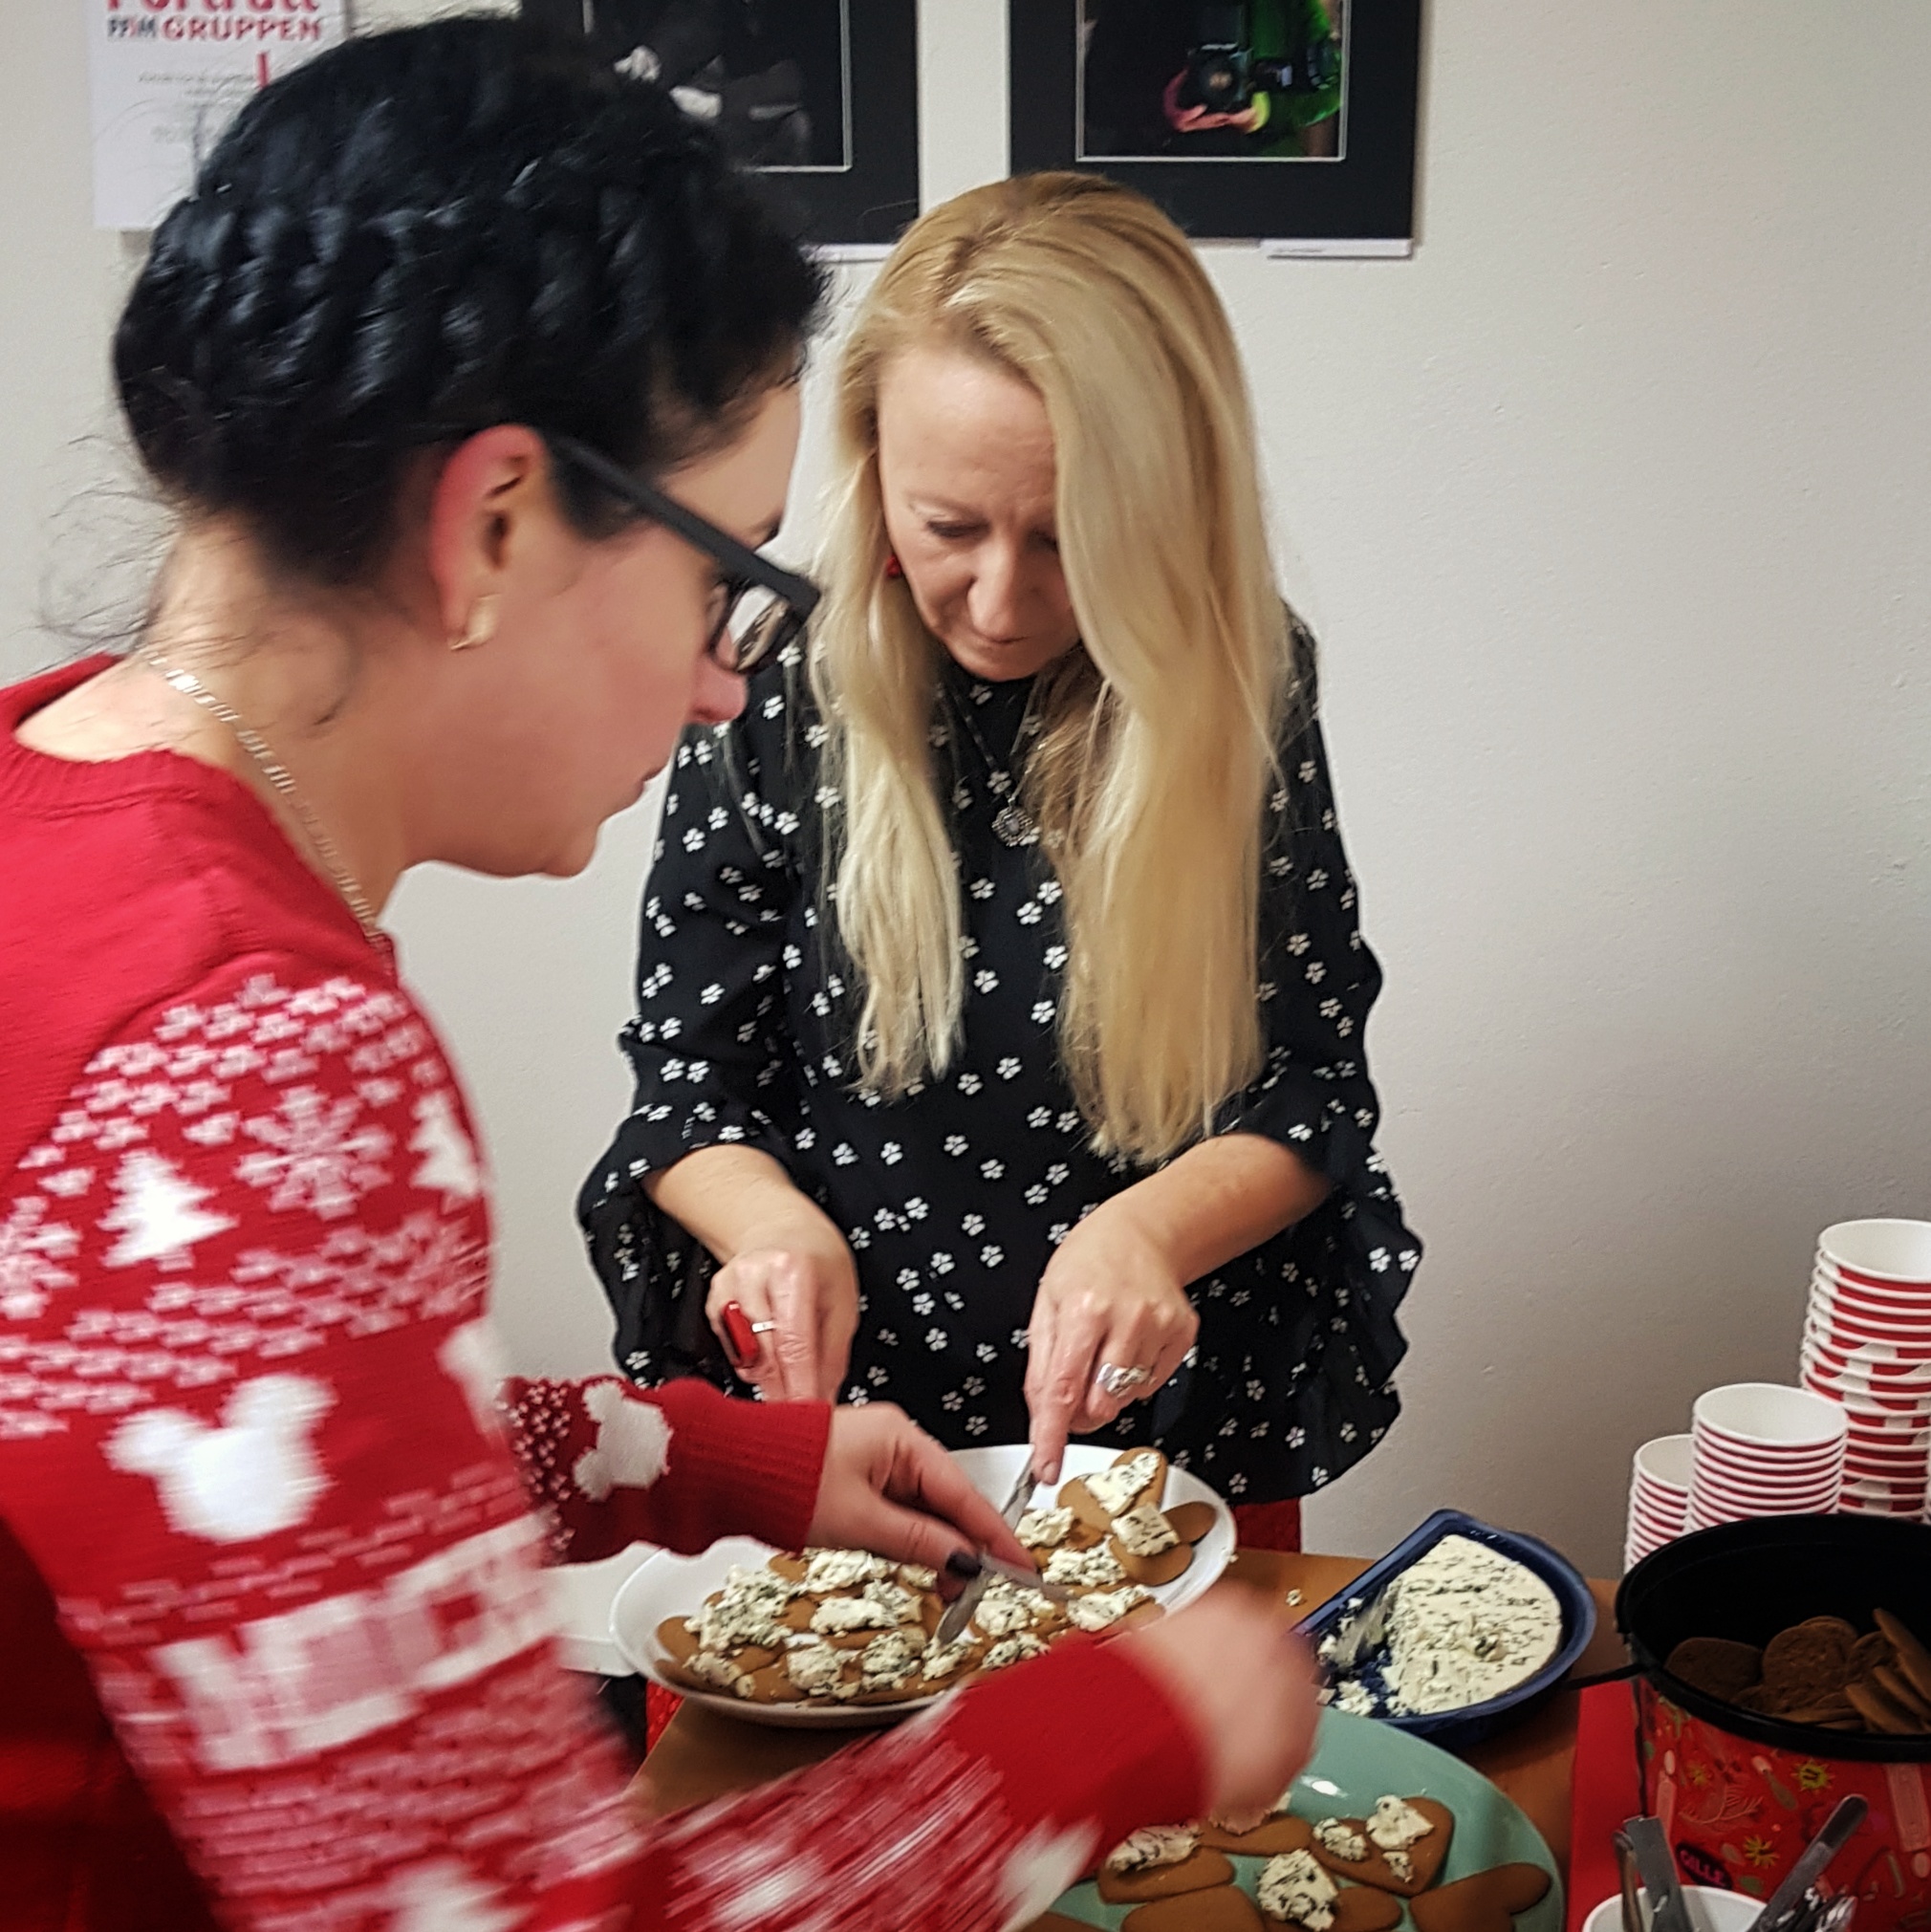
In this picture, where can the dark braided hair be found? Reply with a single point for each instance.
(419, 234)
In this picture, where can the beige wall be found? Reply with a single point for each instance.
(1612, 508)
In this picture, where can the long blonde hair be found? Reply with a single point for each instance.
(1153, 756)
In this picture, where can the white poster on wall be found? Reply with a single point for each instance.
(166, 74)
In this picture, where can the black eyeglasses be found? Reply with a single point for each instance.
(757, 608)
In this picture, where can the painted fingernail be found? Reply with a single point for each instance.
(963, 1563)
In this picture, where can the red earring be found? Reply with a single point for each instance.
(893, 567)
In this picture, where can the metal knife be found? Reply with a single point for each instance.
(1027, 1579)
(1656, 1862)
(959, 1613)
(1625, 1874)
(1811, 1865)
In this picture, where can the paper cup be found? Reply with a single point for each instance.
(1910, 1307)
(1727, 1504)
(1711, 1910)
(1714, 1466)
(1711, 1454)
(1847, 1331)
(1874, 1363)
(1906, 1294)
(1707, 1510)
(1658, 1518)
(1889, 1467)
(1766, 1415)
(1665, 1461)
(1879, 1251)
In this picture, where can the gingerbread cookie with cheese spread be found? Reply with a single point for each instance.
(1146, 1546)
(1160, 1861)
(1296, 1891)
(1400, 1849)
(1135, 1476)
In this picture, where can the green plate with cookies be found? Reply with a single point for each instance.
(1494, 1874)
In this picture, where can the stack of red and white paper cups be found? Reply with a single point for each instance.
(1658, 1497)
(1867, 1344)
(1760, 1450)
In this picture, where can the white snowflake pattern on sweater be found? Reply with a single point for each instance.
(234, 1324)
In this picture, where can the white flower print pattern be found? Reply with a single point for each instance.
(995, 1150)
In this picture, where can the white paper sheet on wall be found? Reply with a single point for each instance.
(165, 75)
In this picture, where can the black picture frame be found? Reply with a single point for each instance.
(858, 188)
(1364, 193)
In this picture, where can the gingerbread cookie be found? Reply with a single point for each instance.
(1224, 1909)
(1913, 1659)
(1869, 1651)
(772, 1685)
(1387, 1851)
(678, 1671)
(1900, 1691)
(1360, 1908)
(1197, 1872)
(1820, 1674)
(1147, 1547)
(1716, 1665)
(1280, 1833)
(1485, 1902)
(1296, 1892)
(1837, 1709)
(1807, 1661)
(1134, 1477)
(1880, 1712)
(1191, 1521)
(677, 1637)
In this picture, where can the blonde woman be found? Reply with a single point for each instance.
(999, 1048)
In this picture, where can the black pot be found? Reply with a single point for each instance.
(1749, 1580)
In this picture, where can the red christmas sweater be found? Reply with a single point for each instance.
(274, 1651)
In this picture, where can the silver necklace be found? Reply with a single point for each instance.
(1011, 824)
(278, 776)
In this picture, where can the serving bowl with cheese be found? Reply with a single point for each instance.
(1459, 1630)
(835, 1639)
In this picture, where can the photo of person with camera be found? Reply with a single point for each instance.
(768, 79)
(1171, 80)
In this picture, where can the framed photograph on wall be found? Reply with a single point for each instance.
(818, 99)
(1290, 120)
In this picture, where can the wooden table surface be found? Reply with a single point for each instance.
(703, 1755)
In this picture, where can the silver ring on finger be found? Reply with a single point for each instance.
(1118, 1381)
(763, 1327)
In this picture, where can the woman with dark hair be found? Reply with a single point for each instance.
(469, 371)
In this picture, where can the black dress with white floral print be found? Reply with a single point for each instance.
(954, 1196)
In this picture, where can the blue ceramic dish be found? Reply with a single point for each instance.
(1456, 1730)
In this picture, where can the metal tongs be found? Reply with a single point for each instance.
(1655, 1866)
(1794, 1906)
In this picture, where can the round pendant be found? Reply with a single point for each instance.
(1012, 825)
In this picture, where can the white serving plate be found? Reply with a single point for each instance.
(667, 1585)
